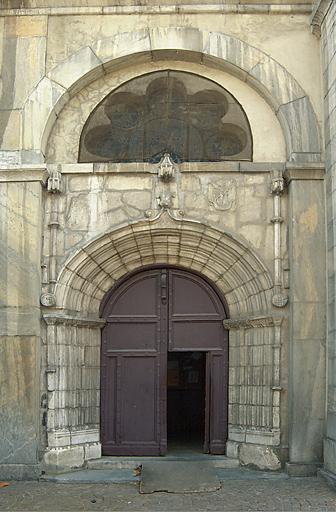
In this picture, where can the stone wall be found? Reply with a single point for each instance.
(325, 22)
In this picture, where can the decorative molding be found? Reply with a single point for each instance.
(250, 323)
(318, 15)
(265, 436)
(53, 319)
(280, 300)
(233, 8)
(48, 300)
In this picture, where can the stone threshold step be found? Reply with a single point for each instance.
(105, 463)
(127, 476)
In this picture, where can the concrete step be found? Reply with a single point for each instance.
(121, 463)
(123, 476)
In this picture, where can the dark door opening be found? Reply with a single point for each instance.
(186, 415)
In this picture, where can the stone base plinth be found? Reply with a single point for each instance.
(330, 455)
(296, 469)
(20, 471)
(328, 477)
(65, 458)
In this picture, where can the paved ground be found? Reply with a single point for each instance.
(277, 494)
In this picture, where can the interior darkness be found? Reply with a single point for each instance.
(186, 399)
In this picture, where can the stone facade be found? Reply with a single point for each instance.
(255, 229)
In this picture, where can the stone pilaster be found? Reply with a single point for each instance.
(308, 320)
(20, 256)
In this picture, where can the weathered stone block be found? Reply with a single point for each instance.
(305, 137)
(196, 201)
(9, 129)
(128, 182)
(232, 449)
(138, 199)
(92, 451)
(70, 72)
(61, 459)
(191, 183)
(261, 456)
(33, 50)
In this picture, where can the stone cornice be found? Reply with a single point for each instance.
(57, 319)
(295, 171)
(24, 173)
(318, 15)
(251, 322)
(234, 8)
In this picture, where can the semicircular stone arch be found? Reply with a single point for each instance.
(229, 263)
(282, 92)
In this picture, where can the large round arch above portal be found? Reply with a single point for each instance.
(289, 101)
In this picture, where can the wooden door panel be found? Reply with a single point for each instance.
(191, 296)
(137, 297)
(108, 400)
(195, 335)
(138, 399)
(218, 403)
(133, 335)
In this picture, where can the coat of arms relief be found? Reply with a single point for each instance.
(222, 195)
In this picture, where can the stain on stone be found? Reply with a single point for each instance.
(308, 220)
(8, 80)
(14, 4)
(44, 401)
(44, 419)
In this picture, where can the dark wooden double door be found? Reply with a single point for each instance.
(153, 318)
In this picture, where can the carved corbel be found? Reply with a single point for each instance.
(54, 183)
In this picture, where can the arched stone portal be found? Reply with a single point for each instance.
(223, 260)
(102, 256)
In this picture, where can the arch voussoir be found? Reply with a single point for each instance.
(90, 273)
